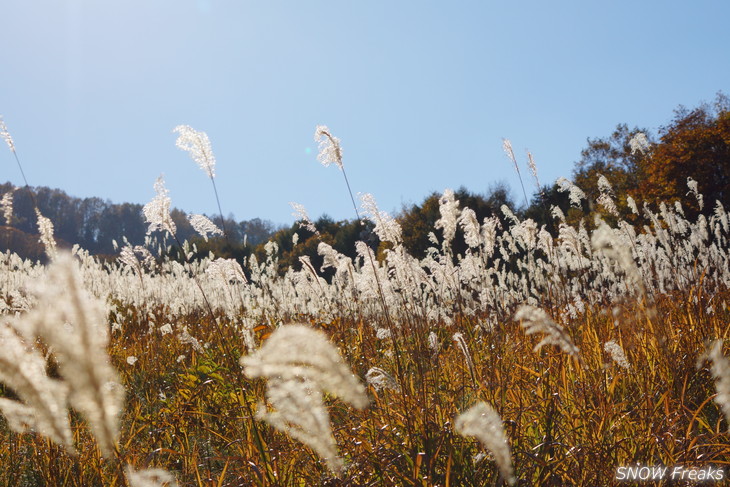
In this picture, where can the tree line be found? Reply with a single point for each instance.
(648, 167)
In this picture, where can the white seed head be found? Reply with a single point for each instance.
(204, 226)
(157, 211)
(484, 423)
(330, 150)
(198, 145)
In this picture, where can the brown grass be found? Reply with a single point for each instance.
(568, 423)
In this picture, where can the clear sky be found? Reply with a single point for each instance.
(419, 92)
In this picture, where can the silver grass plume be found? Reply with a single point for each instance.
(380, 379)
(330, 150)
(507, 147)
(433, 343)
(300, 213)
(74, 325)
(533, 169)
(198, 145)
(617, 354)
(484, 423)
(720, 369)
(204, 226)
(153, 477)
(226, 270)
(575, 194)
(607, 242)
(632, 205)
(5, 134)
(299, 363)
(461, 343)
(639, 143)
(535, 320)
(470, 225)
(386, 227)
(6, 206)
(605, 199)
(137, 258)
(45, 229)
(693, 189)
(449, 211)
(42, 405)
(157, 211)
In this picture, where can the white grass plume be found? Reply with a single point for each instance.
(157, 211)
(386, 227)
(42, 405)
(380, 379)
(575, 194)
(137, 258)
(639, 143)
(5, 134)
(461, 343)
(153, 477)
(720, 369)
(535, 320)
(74, 326)
(300, 213)
(6, 207)
(484, 423)
(299, 363)
(45, 229)
(198, 145)
(204, 226)
(617, 354)
(226, 270)
(330, 150)
(694, 189)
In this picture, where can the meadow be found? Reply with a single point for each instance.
(543, 355)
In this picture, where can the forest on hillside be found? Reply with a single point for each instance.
(636, 164)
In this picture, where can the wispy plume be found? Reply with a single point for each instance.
(694, 190)
(153, 477)
(461, 343)
(42, 405)
(157, 211)
(45, 229)
(535, 320)
(575, 194)
(204, 226)
(720, 369)
(137, 258)
(198, 145)
(380, 379)
(5, 134)
(300, 213)
(6, 207)
(484, 423)
(226, 270)
(507, 147)
(533, 169)
(617, 354)
(330, 150)
(299, 364)
(386, 227)
(74, 326)
(605, 199)
(639, 143)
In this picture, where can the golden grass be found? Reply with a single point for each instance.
(569, 423)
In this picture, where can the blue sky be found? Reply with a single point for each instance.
(419, 92)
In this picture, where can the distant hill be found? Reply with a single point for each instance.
(93, 223)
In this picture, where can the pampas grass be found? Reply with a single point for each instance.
(484, 423)
(299, 364)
